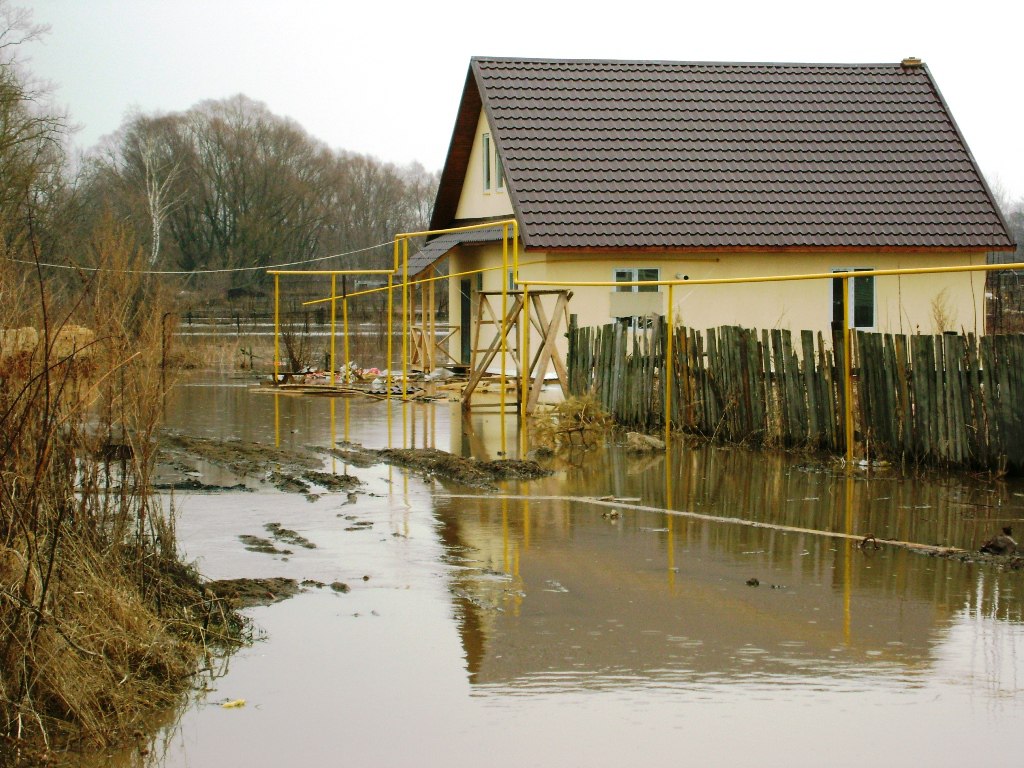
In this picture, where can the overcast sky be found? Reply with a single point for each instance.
(384, 78)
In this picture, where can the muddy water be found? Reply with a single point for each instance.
(509, 631)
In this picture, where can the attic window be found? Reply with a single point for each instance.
(494, 170)
(488, 168)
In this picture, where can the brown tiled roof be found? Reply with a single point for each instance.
(667, 155)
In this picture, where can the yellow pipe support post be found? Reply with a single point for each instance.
(847, 375)
(344, 325)
(334, 309)
(524, 361)
(501, 330)
(391, 309)
(668, 371)
(405, 342)
(405, 315)
(277, 328)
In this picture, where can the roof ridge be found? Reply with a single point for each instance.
(690, 63)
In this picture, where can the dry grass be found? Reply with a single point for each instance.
(100, 623)
(578, 421)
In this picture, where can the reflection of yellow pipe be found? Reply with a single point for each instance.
(334, 438)
(505, 568)
(277, 420)
(671, 544)
(526, 524)
(347, 418)
(848, 565)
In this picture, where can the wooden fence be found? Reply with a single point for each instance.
(948, 400)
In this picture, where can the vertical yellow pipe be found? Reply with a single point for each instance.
(406, 319)
(344, 320)
(432, 327)
(405, 315)
(277, 328)
(524, 361)
(501, 327)
(847, 375)
(668, 370)
(515, 248)
(334, 309)
(391, 302)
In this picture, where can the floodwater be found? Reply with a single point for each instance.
(550, 631)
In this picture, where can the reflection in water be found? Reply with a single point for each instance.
(600, 635)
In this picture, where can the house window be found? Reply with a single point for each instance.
(629, 311)
(860, 294)
(632, 275)
(493, 167)
(487, 162)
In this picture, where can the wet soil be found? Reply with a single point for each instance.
(288, 471)
(433, 463)
(246, 593)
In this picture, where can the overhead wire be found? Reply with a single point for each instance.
(197, 271)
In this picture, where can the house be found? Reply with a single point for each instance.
(644, 170)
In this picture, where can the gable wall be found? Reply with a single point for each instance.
(474, 202)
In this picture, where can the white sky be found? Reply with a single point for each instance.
(384, 78)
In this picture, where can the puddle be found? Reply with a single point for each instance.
(543, 631)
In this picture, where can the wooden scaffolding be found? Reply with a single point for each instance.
(544, 353)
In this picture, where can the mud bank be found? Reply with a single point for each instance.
(432, 463)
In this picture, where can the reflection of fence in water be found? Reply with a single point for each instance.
(951, 400)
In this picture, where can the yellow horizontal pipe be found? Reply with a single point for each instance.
(780, 278)
(467, 228)
(330, 272)
(425, 280)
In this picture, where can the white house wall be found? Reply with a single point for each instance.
(907, 304)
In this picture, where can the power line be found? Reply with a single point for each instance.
(198, 271)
